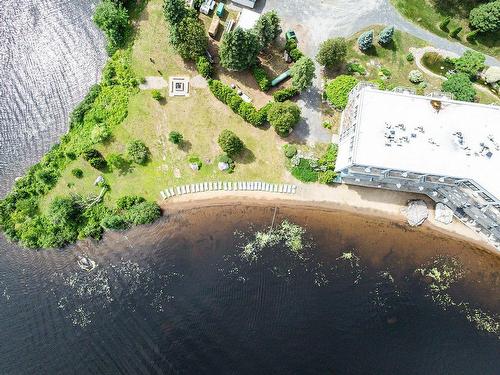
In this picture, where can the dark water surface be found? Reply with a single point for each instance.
(196, 294)
(213, 290)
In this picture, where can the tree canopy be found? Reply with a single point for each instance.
(302, 73)
(460, 86)
(268, 27)
(332, 52)
(230, 143)
(486, 17)
(189, 38)
(112, 18)
(239, 49)
(283, 116)
(174, 11)
(470, 63)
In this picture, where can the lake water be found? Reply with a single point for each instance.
(216, 290)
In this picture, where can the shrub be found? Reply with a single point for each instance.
(486, 17)
(327, 124)
(415, 76)
(100, 133)
(327, 177)
(295, 54)
(454, 33)
(261, 77)
(63, 211)
(290, 45)
(470, 63)
(285, 94)
(304, 172)
(226, 159)
(386, 72)
(460, 86)
(470, 36)
(117, 161)
(114, 221)
(95, 159)
(235, 102)
(127, 201)
(356, 68)
(175, 137)
(283, 117)
(410, 57)
(230, 143)
(174, 11)
(289, 150)
(443, 25)
(302, 73)
(77, 172)
(337, 90)
(332, 52)
(204, 67)
(220, 90)
(156, 94)
(137, 151)
(194, 159)
(365, 41)
(143, 213)
(386, 35)
(248, 112)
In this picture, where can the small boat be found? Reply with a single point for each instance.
(86, 263)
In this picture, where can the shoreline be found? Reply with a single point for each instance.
(386, 204)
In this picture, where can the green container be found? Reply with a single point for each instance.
(220, 9)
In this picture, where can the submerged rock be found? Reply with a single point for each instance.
(443, 213)
(416, 212)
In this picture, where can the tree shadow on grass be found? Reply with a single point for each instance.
(245, 157)
(372, 51)
(185, 146)
(390, 46)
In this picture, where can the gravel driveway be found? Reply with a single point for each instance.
(317, 20)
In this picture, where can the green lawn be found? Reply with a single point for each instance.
(199, 117)
(393, 57)
(427, 15)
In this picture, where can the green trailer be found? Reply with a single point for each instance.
(280, 78)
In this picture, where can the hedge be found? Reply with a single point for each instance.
(285, 94)
(261, 77)
(247, 111)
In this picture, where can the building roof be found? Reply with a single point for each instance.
(248, 19)
(405, 132)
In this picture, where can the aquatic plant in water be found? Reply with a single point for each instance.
(442, 273)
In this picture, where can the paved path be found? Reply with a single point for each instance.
(317, 20)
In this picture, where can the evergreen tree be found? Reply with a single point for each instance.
(385, 36)
(112, 19)
(486, 17)
(230, 143)
(365, 41)
(239, 49)
(189, 38)
(302, 73)
(268, 28)
(174, 11)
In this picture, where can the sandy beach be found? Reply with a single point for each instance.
(363, 201)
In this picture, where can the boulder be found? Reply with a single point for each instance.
(98, 180)
(443, 213)
(194, 166)
(492, 74)
(416, 212)
(223, 166)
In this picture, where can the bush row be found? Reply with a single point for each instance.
(230, 97)
(285, 94)
(261, 77)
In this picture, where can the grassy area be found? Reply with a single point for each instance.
(199, 117)
(394, 58)
(428, 15)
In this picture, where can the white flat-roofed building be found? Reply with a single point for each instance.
(447, 149)
(247, 3)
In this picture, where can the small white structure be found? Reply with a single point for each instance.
(247, 3)
(178, 86)
(248, 19)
